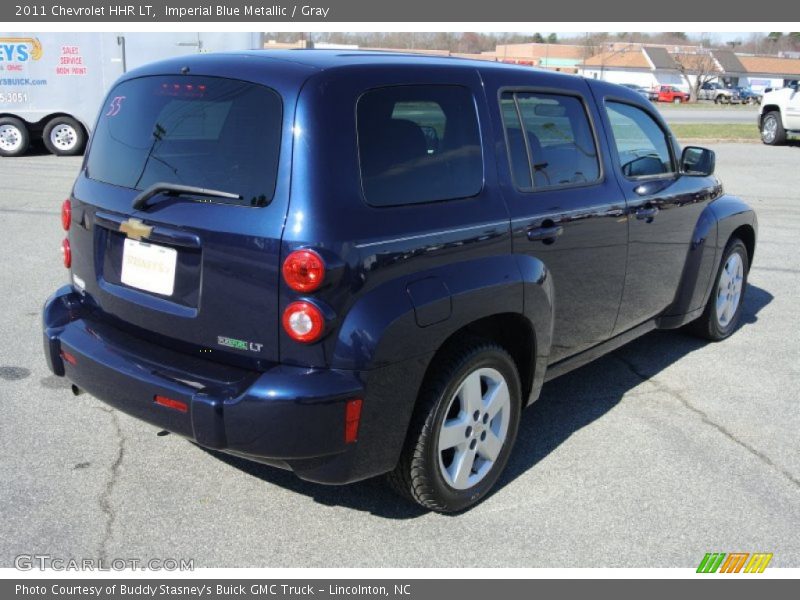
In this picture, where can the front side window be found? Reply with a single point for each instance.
(550, 140)
(207, 132)
(418, 143)
(642, 145)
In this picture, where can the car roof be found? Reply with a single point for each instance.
(287, 70)
(310, 60)
(331, 59)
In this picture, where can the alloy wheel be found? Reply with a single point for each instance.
(729, 289)
(474, 429)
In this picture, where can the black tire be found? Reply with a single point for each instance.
(19, 130)
(418, 475)
(75, 138)
(709, 326)
(780, 133)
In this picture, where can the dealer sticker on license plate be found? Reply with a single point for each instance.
(149, 267)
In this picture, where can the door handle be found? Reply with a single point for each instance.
(547, 235)
(647, 214)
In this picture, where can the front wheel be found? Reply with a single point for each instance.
(724, 308)
(463, 428)
(676, 100)
(772, 131)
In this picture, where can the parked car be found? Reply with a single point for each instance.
(718, 93)
(640, 89)
(748, 96)
(354, 264)
(669, 93)
(779, 115)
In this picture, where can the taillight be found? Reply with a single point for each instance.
(304, 270)
(66, 253)
(66, 214)
(303, 322)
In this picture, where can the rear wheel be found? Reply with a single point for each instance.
(14, 137)
(772, 131)
(463, 429)
(724, 308)
(64, 136)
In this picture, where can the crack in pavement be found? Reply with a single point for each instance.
(105, 497)
(708, 420)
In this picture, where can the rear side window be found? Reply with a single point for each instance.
(418, 143)
(207, 132)
(642, 145)
(550, 140)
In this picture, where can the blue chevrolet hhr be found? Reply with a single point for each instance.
(351, 264)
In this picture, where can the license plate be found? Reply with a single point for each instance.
(149, 267)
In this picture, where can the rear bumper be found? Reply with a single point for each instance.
(291, 417)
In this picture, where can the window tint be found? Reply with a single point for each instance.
(555, 147)
(202, 131)
(642, 146)
(418, 143)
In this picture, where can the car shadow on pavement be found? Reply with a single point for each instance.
(566, 405)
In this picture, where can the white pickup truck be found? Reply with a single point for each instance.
(779, 115)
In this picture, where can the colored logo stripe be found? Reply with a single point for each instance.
(758, 562)
(734, 562)
(711, 562)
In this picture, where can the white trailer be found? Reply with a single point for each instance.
(52, 84)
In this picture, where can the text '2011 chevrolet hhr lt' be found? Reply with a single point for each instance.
(354, 264)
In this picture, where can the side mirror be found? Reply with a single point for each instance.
(697, 161)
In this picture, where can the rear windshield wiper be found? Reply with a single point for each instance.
(174, 189)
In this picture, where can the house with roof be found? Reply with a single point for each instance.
(565, 58)
(763, 72)
(647, 66)
(650, 66)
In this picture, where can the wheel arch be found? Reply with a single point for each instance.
(747, 234)
(723, 219)
(511, 331)
(506, 298)
(768, 108)
(735, 218)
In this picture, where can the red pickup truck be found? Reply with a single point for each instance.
(668, 93)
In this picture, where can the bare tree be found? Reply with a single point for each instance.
(701, 66)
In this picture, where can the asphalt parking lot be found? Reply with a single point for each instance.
(650, 457)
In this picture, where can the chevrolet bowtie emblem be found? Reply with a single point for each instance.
(135, 229)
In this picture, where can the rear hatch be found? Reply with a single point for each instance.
(178, 214)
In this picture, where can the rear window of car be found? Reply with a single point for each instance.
(418, 143)
(206, 132)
